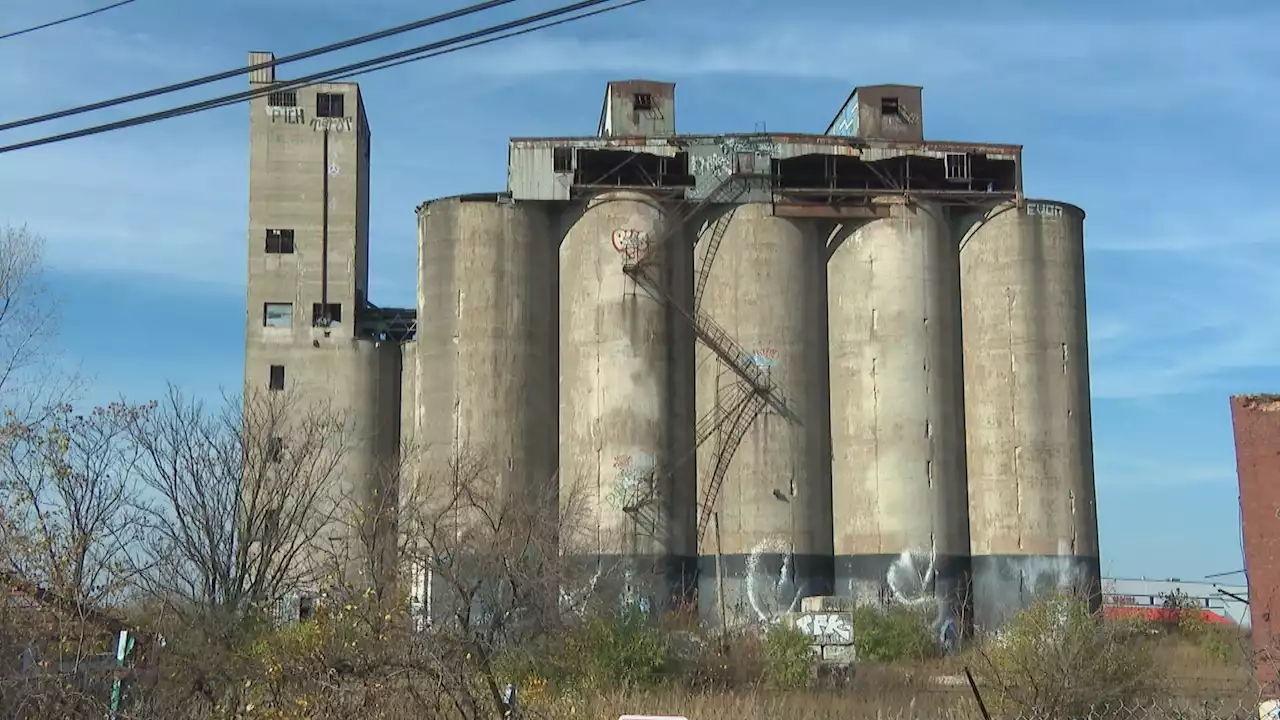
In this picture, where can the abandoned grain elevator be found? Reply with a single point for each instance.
(772, 366)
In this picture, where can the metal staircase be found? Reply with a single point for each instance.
(646, 271)
(718, 230)
(744, 400)
(739, 419)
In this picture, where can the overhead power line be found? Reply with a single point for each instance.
(239, 72)
(459, 42)
(24, 31)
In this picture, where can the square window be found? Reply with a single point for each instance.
(280, 242)
(329, 105)
(888, 106)
(323, 315)
(277, 378)
(562, 159)
(279, 315)
(643, 101)
(957, 166)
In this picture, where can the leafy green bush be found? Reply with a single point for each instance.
(788, 660)
(1058, 658)
(893, 634)
(619, 651)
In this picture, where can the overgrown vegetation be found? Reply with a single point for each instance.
(189, 528)
(1058, 659)
(893, 634)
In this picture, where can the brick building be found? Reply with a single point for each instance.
(1256, 419)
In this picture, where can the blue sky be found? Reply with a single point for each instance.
(1157, 116)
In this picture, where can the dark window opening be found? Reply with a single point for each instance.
(277, 378)
(631, 169)
(329, 105)
(306, 607)
(908, 172)
(323, 315)
(562, 159)
(275, 449)
(277, 315)
(283, 98)
(280, 241)
(643, 101)
(888, 106)
(957, 166)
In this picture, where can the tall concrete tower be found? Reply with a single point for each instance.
(307, 323)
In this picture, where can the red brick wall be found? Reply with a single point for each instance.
(1256, 419)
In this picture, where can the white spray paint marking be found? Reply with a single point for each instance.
(767, 597)
(826, 628)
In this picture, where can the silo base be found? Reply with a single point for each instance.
(1005, 584)
(652, 583)
(919, 580)
(760, 586)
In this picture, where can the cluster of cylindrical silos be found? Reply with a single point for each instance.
(935, 360)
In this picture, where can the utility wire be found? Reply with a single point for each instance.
(16, 33)
(342, 45)
(418, 53)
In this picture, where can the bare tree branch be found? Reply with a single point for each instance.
(243, 497)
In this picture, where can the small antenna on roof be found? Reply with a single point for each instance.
(760, 126)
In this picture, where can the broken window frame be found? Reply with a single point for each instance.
(330, 105)
(962, 173)
(326, 314)
(642, 101)
(562, 159)
(275, 378)
(890, 106)
(282, 310)
(280, 242)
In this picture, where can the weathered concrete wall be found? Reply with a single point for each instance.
(1032, 507)
(625, 420)
(898, 471)
(486, 358)
(308, 177)
(1256, 419)
(767, 288)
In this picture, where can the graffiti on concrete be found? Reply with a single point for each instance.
(826, 628)
(772, 595)
(910, 579)
(630, 243)
(290, 115)
(765, 358)
(332, 124)
(633, 483)
(1044, 210)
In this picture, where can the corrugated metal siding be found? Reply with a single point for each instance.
(531, 176)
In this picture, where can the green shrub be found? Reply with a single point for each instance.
(1058, 658)
(788, 659)
(620, 651)
(893, 634)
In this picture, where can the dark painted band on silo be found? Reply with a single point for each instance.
(944, 577)
(804, 576)
(667, 581)
(1005, 584)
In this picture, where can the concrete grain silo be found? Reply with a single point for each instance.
(626, 473)
(486, 359)
(372, 453)
(1026, 367)
(766, 288)
(898, 468)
